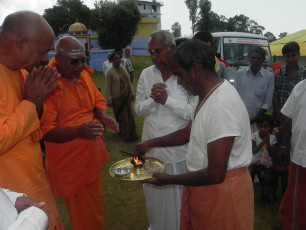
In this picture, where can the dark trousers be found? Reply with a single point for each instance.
(264, 176)
(275, 175)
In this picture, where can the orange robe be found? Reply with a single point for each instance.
(74, 165)
(21, 163)
(226, 206)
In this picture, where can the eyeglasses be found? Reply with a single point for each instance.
(75, 61)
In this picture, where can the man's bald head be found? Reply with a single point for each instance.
(25, 40)
(26, 23)
(69, 46)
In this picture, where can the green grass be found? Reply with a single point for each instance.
(124, 200)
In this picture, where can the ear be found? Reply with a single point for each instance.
(21, 42)
(196, 68)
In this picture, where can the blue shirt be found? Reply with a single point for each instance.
(255, 91)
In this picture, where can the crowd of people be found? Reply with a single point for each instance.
(214, 137)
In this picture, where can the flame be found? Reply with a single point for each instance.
(137, 161)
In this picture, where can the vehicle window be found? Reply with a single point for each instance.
(236, 49)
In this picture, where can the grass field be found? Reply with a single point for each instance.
(124, 201)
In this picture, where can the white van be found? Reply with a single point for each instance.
(233, 47)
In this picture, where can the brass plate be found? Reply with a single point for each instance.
(151, 165)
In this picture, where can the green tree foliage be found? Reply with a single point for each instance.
(270, 36)
(176, 29)
(211, 21)
(115, 23)
(65, 13)
(205, 21)
(192, 6)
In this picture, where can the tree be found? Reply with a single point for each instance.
(270, 36)
(115, 23)
(241, 23)
(218, 23)
(254, 28)
(231, 25)
(205, 13)
(176, 29)
(283, 34)
(192, 5)
(65, 13)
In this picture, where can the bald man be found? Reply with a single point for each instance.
(75, 150)
(22, 47)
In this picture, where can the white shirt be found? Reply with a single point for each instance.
(106, 66)
(31, 218)
(256, 91)
(164, 119)
(262, 156)
(295, 108)
(222, 115)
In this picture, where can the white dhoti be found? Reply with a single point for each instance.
(163, 203)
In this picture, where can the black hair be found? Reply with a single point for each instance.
(113, 54)
(180, 41)
(264, 118)
(291, 47)
(204, 36)
(194, 51)
(258, 50)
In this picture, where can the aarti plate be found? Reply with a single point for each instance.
(151, 165)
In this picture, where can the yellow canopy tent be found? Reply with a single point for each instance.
(299, 37)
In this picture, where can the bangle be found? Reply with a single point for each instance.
(283, 147)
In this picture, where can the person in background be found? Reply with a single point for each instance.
(179, 41)
(18, 212)
(263, 150)
(22, 49)
(120, 95)
(126, 63)
(75, 149)
(218, 191)
(107, 64)
(287, 77)
(166, 107)
(280, 165)
(207, 37)
(292, 210)
(255, 86)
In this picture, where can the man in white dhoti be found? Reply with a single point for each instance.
(166, 107)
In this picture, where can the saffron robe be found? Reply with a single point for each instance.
(74, 164)
(21, 163)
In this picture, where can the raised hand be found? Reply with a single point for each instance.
(40, 84)
(159, 93)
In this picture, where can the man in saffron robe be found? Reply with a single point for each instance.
(75, 150)
(21, 164)
(218, 191)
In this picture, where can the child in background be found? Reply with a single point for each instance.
(263, 148)
(280, 165)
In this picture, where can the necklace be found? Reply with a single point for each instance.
(206, 97)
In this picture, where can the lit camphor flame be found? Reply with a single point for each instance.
(137, 161)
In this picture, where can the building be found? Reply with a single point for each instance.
(150, 22)
(150, 13)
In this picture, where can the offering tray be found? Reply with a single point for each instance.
(150, 166)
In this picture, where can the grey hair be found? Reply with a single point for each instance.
(168, 37)
(194, 51)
